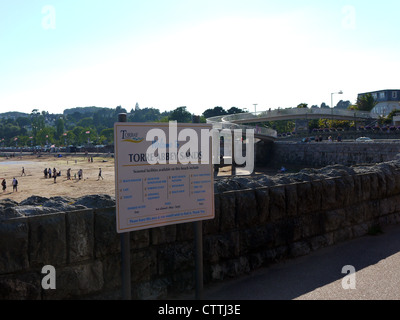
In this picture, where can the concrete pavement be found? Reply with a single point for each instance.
(319, 276)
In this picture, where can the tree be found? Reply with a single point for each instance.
(59, 128)
(235, 110)
(302, 106)
(108, 134)
(181, 115)
(217, 111)
(324, 106)
(366, 102)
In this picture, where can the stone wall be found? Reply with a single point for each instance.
(327, 153)
(252, 228)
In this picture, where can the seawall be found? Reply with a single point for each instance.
(322, 154)
(253, 227)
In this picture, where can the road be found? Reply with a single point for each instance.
(319, 276)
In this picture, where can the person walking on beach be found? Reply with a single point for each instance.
(23, 172)
(4, 185)
(100, 176)
(15, 185)
(55, 175)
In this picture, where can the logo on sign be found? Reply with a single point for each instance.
(132, 137)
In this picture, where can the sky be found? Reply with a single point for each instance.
(164, 54)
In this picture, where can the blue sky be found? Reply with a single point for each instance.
(59, 54)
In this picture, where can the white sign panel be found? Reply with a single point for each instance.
(162, 176)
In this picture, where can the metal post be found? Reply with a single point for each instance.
(198, 243)
(198, 234)
(233, 166)
(125, 250)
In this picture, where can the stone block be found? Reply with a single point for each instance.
(246, 209)
(212, 225)
(228, 211)
(112, 272)
(255, 239)
(106, 239)
(306, 201)
(262, 197)
(355, 214)
(374, 186)
(334, 219)
(162, 235)
(277, 202)
(25, 286)
(365, 183)
(175, 258)
(342, 235)
(371, 209)
(80, 235)
(143, 265)
(316, 189)
(299, 248)
(14, 244)
(48, 244)
(328, 194)
(76, 281)
(185, 232)
(141, 239)
(388, 205)
(292, 199)
(221, 247)
(344, 191)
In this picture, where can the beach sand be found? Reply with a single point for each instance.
(34, 182)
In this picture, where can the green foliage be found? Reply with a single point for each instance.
(219, 111)
(302, 106)
(181, 115)
(366, 102)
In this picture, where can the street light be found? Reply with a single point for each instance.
(255, 108)
(340, 92)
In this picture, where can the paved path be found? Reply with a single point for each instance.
(319, 276)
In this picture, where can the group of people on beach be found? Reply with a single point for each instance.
(14, 184)
(48, 173)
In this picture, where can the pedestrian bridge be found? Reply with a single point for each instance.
(238, 121)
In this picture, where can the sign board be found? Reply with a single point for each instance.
(161, 177)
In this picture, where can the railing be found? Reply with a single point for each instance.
(296, 112)
(231, 121)
(261, 132)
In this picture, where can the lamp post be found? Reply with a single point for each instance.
(255, 108)
(340, 92)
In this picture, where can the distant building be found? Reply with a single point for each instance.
(388, 100)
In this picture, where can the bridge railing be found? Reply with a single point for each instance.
(273, 114)
(259, 131)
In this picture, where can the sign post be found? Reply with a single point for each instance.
(125, 251)
(163, 176)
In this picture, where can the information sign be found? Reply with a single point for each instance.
(161, 174)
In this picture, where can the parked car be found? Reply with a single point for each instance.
(364, 139)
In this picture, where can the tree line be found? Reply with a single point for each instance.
(94, 125)
(82, 125)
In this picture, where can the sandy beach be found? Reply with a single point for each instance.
(34, 182)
